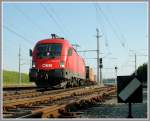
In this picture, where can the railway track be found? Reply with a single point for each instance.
(20, 94)
(54, 103)
(13, 90)
(18, 87)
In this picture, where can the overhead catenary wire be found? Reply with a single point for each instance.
(103, 30)
(113, 28)
(57, 16)
(108, 21)
(122, 35)
(18, 34)
(119, 34)
(51, 17)
(29, 18)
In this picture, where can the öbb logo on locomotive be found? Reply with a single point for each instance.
(55, 63)
(46, 65)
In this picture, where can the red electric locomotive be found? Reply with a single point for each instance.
(55, 63)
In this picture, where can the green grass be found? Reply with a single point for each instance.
(12, 78)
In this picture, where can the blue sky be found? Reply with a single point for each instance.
(123, 26)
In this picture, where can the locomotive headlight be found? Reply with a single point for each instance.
(62, 64)
(33, 64)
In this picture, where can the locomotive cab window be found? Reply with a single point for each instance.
(70, 52)
(48, 50)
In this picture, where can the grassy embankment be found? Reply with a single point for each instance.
(12, 78)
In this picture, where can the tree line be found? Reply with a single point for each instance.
(141, 73)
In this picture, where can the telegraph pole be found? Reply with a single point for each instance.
(19, 65)
(134, 61)
(97, 36)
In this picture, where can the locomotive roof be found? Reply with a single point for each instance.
(53, 40)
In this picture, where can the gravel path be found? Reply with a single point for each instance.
(112, 109)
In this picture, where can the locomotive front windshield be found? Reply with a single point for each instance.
(48, 50)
